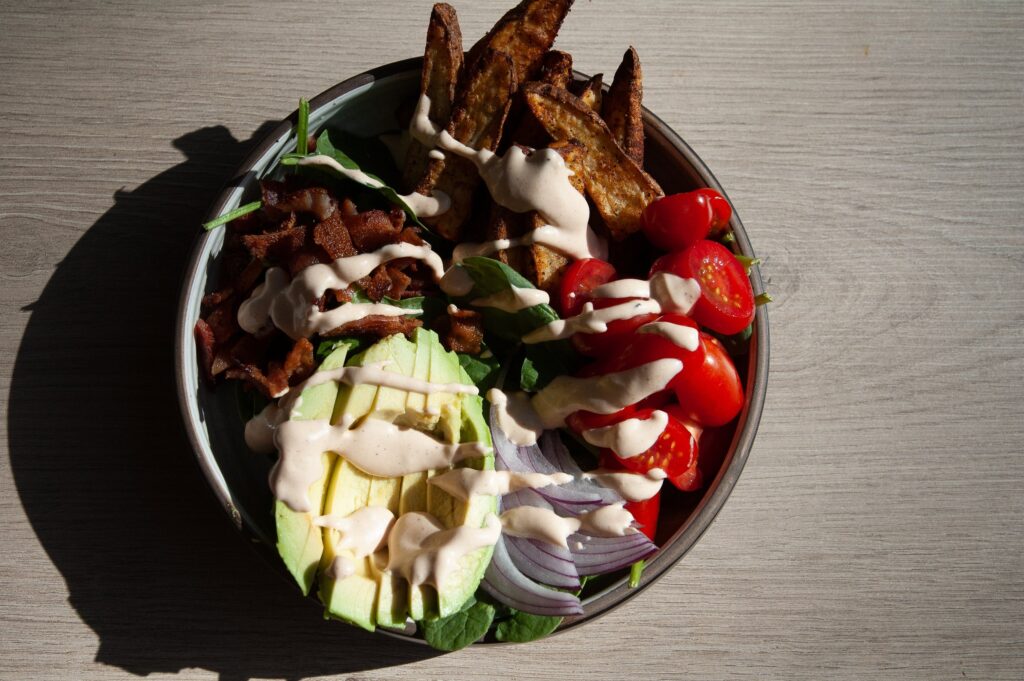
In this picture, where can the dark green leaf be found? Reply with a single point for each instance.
(231, 215)
(328, 346)
(483, 371)
(528, 376)
(523, 627)
(545, 361)
(460, 629)
(249, 402)
(491, 277)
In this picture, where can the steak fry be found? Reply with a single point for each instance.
(442, 67)
(621, 109)
(525, 33)
(619, 188)
(478, 117)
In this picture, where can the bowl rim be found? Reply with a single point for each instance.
(718, 490)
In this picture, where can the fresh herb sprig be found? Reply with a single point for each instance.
(232, 215)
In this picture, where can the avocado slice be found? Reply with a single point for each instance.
(299, 541)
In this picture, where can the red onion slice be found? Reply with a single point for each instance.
(506, 583)
(598, 555)
(543, 562)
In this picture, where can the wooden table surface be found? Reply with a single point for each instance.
(876, 154)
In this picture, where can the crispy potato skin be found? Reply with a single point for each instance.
(478, 117)
(590, 91)
(619, 188)
(621, 109)
(556, 69)
(442, 68)
(525, 33)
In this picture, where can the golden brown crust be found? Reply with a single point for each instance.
(556, 69)
(478, 117)
(619, 188)
(525, 33)
(442, 67)
(622, 110)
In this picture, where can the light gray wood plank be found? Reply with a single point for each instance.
(876, 154)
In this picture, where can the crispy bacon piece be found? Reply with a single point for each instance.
(461, 331)
(378, 326)
(372, 229)
(332, 235)
(205, 346)
(316, 201)
(279, 376)
(276, 246)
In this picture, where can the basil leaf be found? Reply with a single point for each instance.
(324, 147)
(491, 277)
(523, 627)
(459, 629)
(483, 371)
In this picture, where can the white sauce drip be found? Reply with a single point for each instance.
(524, 181)
(665, 292)
(462, 483)
(631, 437)
(516, 416)
(422, 551)
(513, 299)
(456, 282)
(602, 394)
(673, 293)
(363, 532)
(591, 320)
(374, 374)
(541, 524)
(422, 206)
(259, 430)
(376, 447)
(685, 337)
(629, 486)
(607, 521)
(293, 309)
(341, 567)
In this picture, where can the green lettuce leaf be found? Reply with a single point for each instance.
(459, 629)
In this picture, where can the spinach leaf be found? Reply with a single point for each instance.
(483, 371)
(431, 306)
(459, 629)
(544, 361)
(523, 627)
(324, 147)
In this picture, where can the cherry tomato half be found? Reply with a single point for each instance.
(578, 280)
(675, 222)
(674, 451)
(586, 420)
(726, 304)
(709, 392)
(619, 331)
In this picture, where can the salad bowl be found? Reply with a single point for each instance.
(364, 106)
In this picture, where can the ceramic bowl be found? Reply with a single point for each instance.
(363, 105)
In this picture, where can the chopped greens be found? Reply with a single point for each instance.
(460, 629)
(482, 370)
(231, 215)
(302, 128)
(636, 570)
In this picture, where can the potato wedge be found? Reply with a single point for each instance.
(478, 117)
(590, 91)
(442, 67)
(619, 188)
(556, 68)
(621, 109)
(546, 265)
(525, 33)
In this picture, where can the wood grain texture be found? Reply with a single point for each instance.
(876, 154)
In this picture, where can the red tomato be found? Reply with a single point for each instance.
(586, 420)
(643, 348)
(726, 304)
(709, 392)
(689, 480)
(578, 280)
(674, 451)
(618, 333)
(644, 512)
(674, 222)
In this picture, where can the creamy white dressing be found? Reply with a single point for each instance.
(673, 293)
(422, 206)
(375, 374)
(516, 416)
(374, 446)
(523, 180)
(456, 282)
(685, 337)
(254, 313)
(541, 524)
(602, 394)
(463, 483)
(631, 437)
(259, 430)
(591, 320)
(422, 551)
(293, 308)
(612, 520)
(513, 299)
(363, 532)
(340, 568)
(629, 486)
